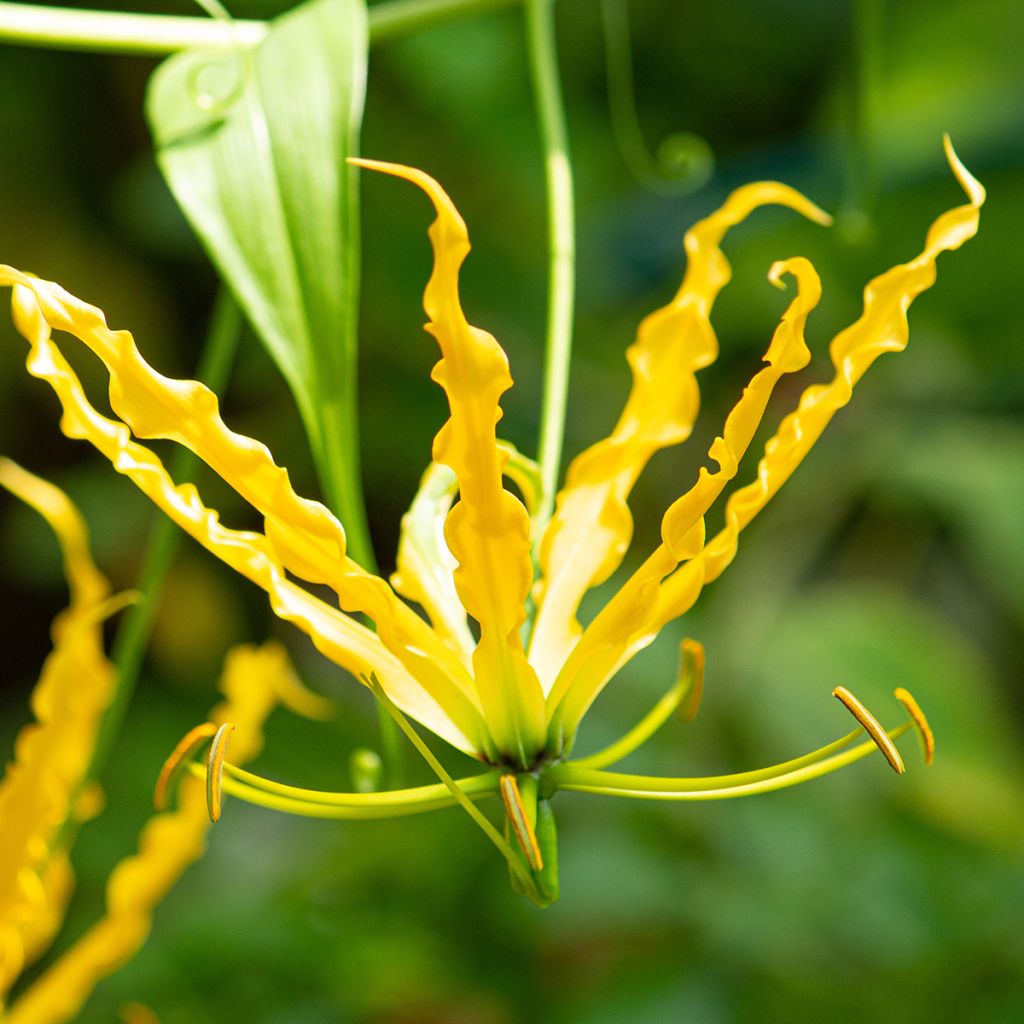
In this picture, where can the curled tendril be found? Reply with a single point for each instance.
(683, 161)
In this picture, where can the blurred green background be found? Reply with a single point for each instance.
(894, 558)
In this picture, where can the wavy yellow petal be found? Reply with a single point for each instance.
(592, 526)
(488, 529)
(58, 884)
(434, 700)
(86, 584)
(308, 540)
(682, 528)
(882, 327)
(170, 842)
(52, 754)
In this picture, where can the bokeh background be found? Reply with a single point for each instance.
(894, 558)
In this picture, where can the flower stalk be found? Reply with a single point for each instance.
(153, 35)
(561, 254)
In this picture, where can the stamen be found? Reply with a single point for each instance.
(215, 769)
(470, 808)
(872, 727)
(917, 716)
(516, 811)
(191, 741)
(684, 698)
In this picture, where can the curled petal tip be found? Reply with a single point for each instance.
(917, 716)
(968, 182)
(377, 165)
(872, 727)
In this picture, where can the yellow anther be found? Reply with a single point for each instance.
(516, 811)
(215, 769)
(691, 656)
(193, 739)
(917, 716)
(872, 727)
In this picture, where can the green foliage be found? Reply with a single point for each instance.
(253, 145)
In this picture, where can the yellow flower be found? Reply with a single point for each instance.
(515, 697)
(41, 794)
(44, 794)
(255, 679)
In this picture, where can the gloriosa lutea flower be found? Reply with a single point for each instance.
(515, 697)
(45, 794)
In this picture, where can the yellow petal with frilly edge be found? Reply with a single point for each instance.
(432, 699)
(254, 681)
(488, 529)
(52, 754)
(307, 539)
(882, 327)
(592, 526)
(682, 527)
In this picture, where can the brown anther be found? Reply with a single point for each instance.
(190, 741)
(917, 716)
(872, 727)
(215, 769)
(691, 658)
(516, 811)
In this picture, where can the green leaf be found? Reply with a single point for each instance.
(253, 145)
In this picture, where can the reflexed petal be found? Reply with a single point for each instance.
(306, 538)
(253, 680)
(432, 699)
(488, 529)
(882, 327)
(52, 754)
(592, 526)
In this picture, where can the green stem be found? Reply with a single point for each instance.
(540, 32)
(867, 26)
(456, 790)
(403, 801)
(157, 34)
(720, 787)
(644, 729)
(133, 633)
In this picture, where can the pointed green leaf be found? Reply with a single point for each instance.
(253, 145)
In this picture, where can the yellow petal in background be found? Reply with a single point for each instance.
(39, 790)
(425, 567)
(592, 526)
(254, 681)
(488, 529)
